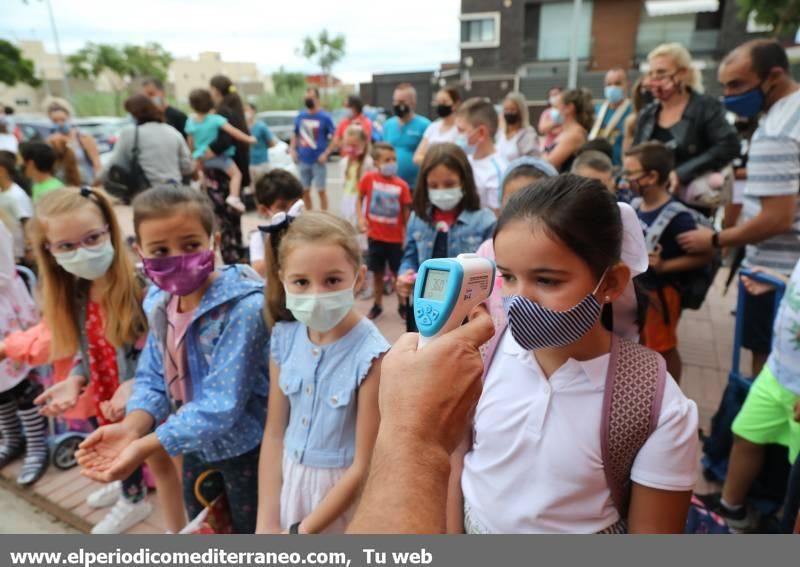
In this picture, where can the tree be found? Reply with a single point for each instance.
(782, 15)
(14, 68)
(127, 62)
(325, 50)
(124, 64)
(287, 82)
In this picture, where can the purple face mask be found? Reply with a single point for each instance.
(180, 275)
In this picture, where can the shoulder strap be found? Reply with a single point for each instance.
(598, 123)
(631, 406)
(135, 150)
(653, 233)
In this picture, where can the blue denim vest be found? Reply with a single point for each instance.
(321, 384)
(470, 230)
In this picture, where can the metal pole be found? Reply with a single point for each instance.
(65, 78)
(573, 53)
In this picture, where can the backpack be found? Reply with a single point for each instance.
(631, 407)
(693, 285)
(123, 182)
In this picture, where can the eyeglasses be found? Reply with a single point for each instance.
(659, 76)
(66, 249)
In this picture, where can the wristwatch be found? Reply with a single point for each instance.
(715, 240)
(294, 529)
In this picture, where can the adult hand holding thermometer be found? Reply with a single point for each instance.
(447, 289)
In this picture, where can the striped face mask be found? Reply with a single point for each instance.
(536, 327)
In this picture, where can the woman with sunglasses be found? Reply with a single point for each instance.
(693, 124)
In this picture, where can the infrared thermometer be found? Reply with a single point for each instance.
(447, 289)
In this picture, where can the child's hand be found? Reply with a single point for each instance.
(60, 397)
(758, 288)
(251, 140)
(797, 411)
(114, 409)
(110, 453)
(322, 159)
(405, 284)
(362, 225)
(656, 262)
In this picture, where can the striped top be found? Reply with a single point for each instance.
(773, 170)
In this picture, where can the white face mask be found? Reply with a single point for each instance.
(321, 311)
(88, 263)
(446, 199)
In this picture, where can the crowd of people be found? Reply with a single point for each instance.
(568, 417)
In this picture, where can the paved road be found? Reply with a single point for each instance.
(28, 519)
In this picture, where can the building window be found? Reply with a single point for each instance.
(555, 37)
(695, 31)
(480, 30)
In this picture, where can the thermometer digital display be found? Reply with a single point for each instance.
(447, 289)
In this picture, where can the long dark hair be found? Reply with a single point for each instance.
(580, 212)
(454, 159)
(230, 98)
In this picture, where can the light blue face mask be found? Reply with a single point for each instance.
(556, 116)
(88, 263)
(388, 169)
(614, 94)
(462, 141)
(321, 311)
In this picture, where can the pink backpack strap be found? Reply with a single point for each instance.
(631, 406)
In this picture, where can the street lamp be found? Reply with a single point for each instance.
(64, 77)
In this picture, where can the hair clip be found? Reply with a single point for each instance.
(86, 192)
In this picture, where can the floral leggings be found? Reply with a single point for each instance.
(240, 475)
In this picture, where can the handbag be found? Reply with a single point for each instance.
(123, 182)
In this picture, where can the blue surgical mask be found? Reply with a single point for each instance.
(746, 104)
(321, 311)
(446, 199)
(535, 327)
(61, 128)
(614, 94)
(157, 100)
(556, 116)
(462, 141)
(388, 169)
(88, 263)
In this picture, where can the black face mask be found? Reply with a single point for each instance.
(309, 103)
(511, 117)
(444, 110)
(401, 110)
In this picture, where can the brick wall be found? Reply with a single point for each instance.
(614, 27)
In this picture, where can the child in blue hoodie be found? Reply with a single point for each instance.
(202, 381)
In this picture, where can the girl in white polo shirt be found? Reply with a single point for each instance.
(534, 462)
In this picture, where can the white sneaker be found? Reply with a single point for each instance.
(236, 203)
(123, 516)
(106, 496)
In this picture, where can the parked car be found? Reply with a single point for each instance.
(33, 129)
(104, 129)
(280, 122)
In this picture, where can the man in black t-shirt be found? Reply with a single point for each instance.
(153, 88)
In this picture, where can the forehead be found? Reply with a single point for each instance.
(526, 243)
(441, 172)
(739, 66)
(404, 94)
(615, 77)
(180, 224)
(662, 62)
(72, 225)
(315, 258)
(151, 88)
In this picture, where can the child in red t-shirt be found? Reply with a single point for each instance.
(388, 207)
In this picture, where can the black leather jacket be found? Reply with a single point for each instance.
(704, 140)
